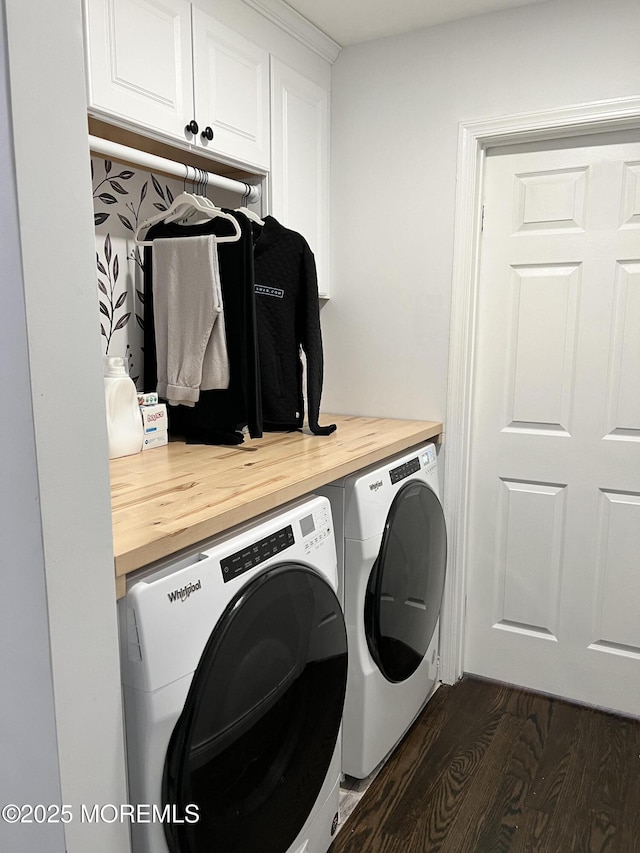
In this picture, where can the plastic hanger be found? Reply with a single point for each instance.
(190, 211)
(250, 214)
(181, 205)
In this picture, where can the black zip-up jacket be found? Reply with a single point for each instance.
(288, 319)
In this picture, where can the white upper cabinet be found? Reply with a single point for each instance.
(246, 81)
(140, 67)
(165, 66)
(300, 161)
(231, 85)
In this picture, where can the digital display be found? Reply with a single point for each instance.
(306, 525)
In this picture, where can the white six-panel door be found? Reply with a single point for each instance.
(553, 597)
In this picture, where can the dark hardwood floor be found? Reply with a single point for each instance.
(489, 769)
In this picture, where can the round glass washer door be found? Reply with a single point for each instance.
(253, 744)
(404, 592)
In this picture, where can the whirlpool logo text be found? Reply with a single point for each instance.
(184, 593)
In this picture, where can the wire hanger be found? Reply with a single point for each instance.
(183, 204)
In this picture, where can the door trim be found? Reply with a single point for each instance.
(474, 138)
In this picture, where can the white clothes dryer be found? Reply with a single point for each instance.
(234, 667)
(392, 551)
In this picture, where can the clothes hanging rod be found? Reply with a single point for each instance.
(116, 151)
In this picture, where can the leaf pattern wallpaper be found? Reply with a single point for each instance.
(123, 198)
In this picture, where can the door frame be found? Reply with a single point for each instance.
(474, 138)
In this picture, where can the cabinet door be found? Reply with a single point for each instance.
(231, 85)
(140, 62)
(300, 162)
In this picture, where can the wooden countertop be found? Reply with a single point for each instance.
(171, 498)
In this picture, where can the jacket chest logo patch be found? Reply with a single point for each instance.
(278, 292)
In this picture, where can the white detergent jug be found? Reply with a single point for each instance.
(124, 422)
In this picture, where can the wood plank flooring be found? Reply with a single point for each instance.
(488, 768)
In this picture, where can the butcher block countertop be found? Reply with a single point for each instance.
(171, 498)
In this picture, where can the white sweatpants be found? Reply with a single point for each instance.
(191, 345)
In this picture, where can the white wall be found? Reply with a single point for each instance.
(28, 746)
(67, 530)
(396, 106)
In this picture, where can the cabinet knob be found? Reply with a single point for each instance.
(207, 133)
(192, 127)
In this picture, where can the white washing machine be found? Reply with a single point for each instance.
(234, 668)
(392, 551)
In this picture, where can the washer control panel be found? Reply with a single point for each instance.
(256, 553)
(405, 470)
(315, 528)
